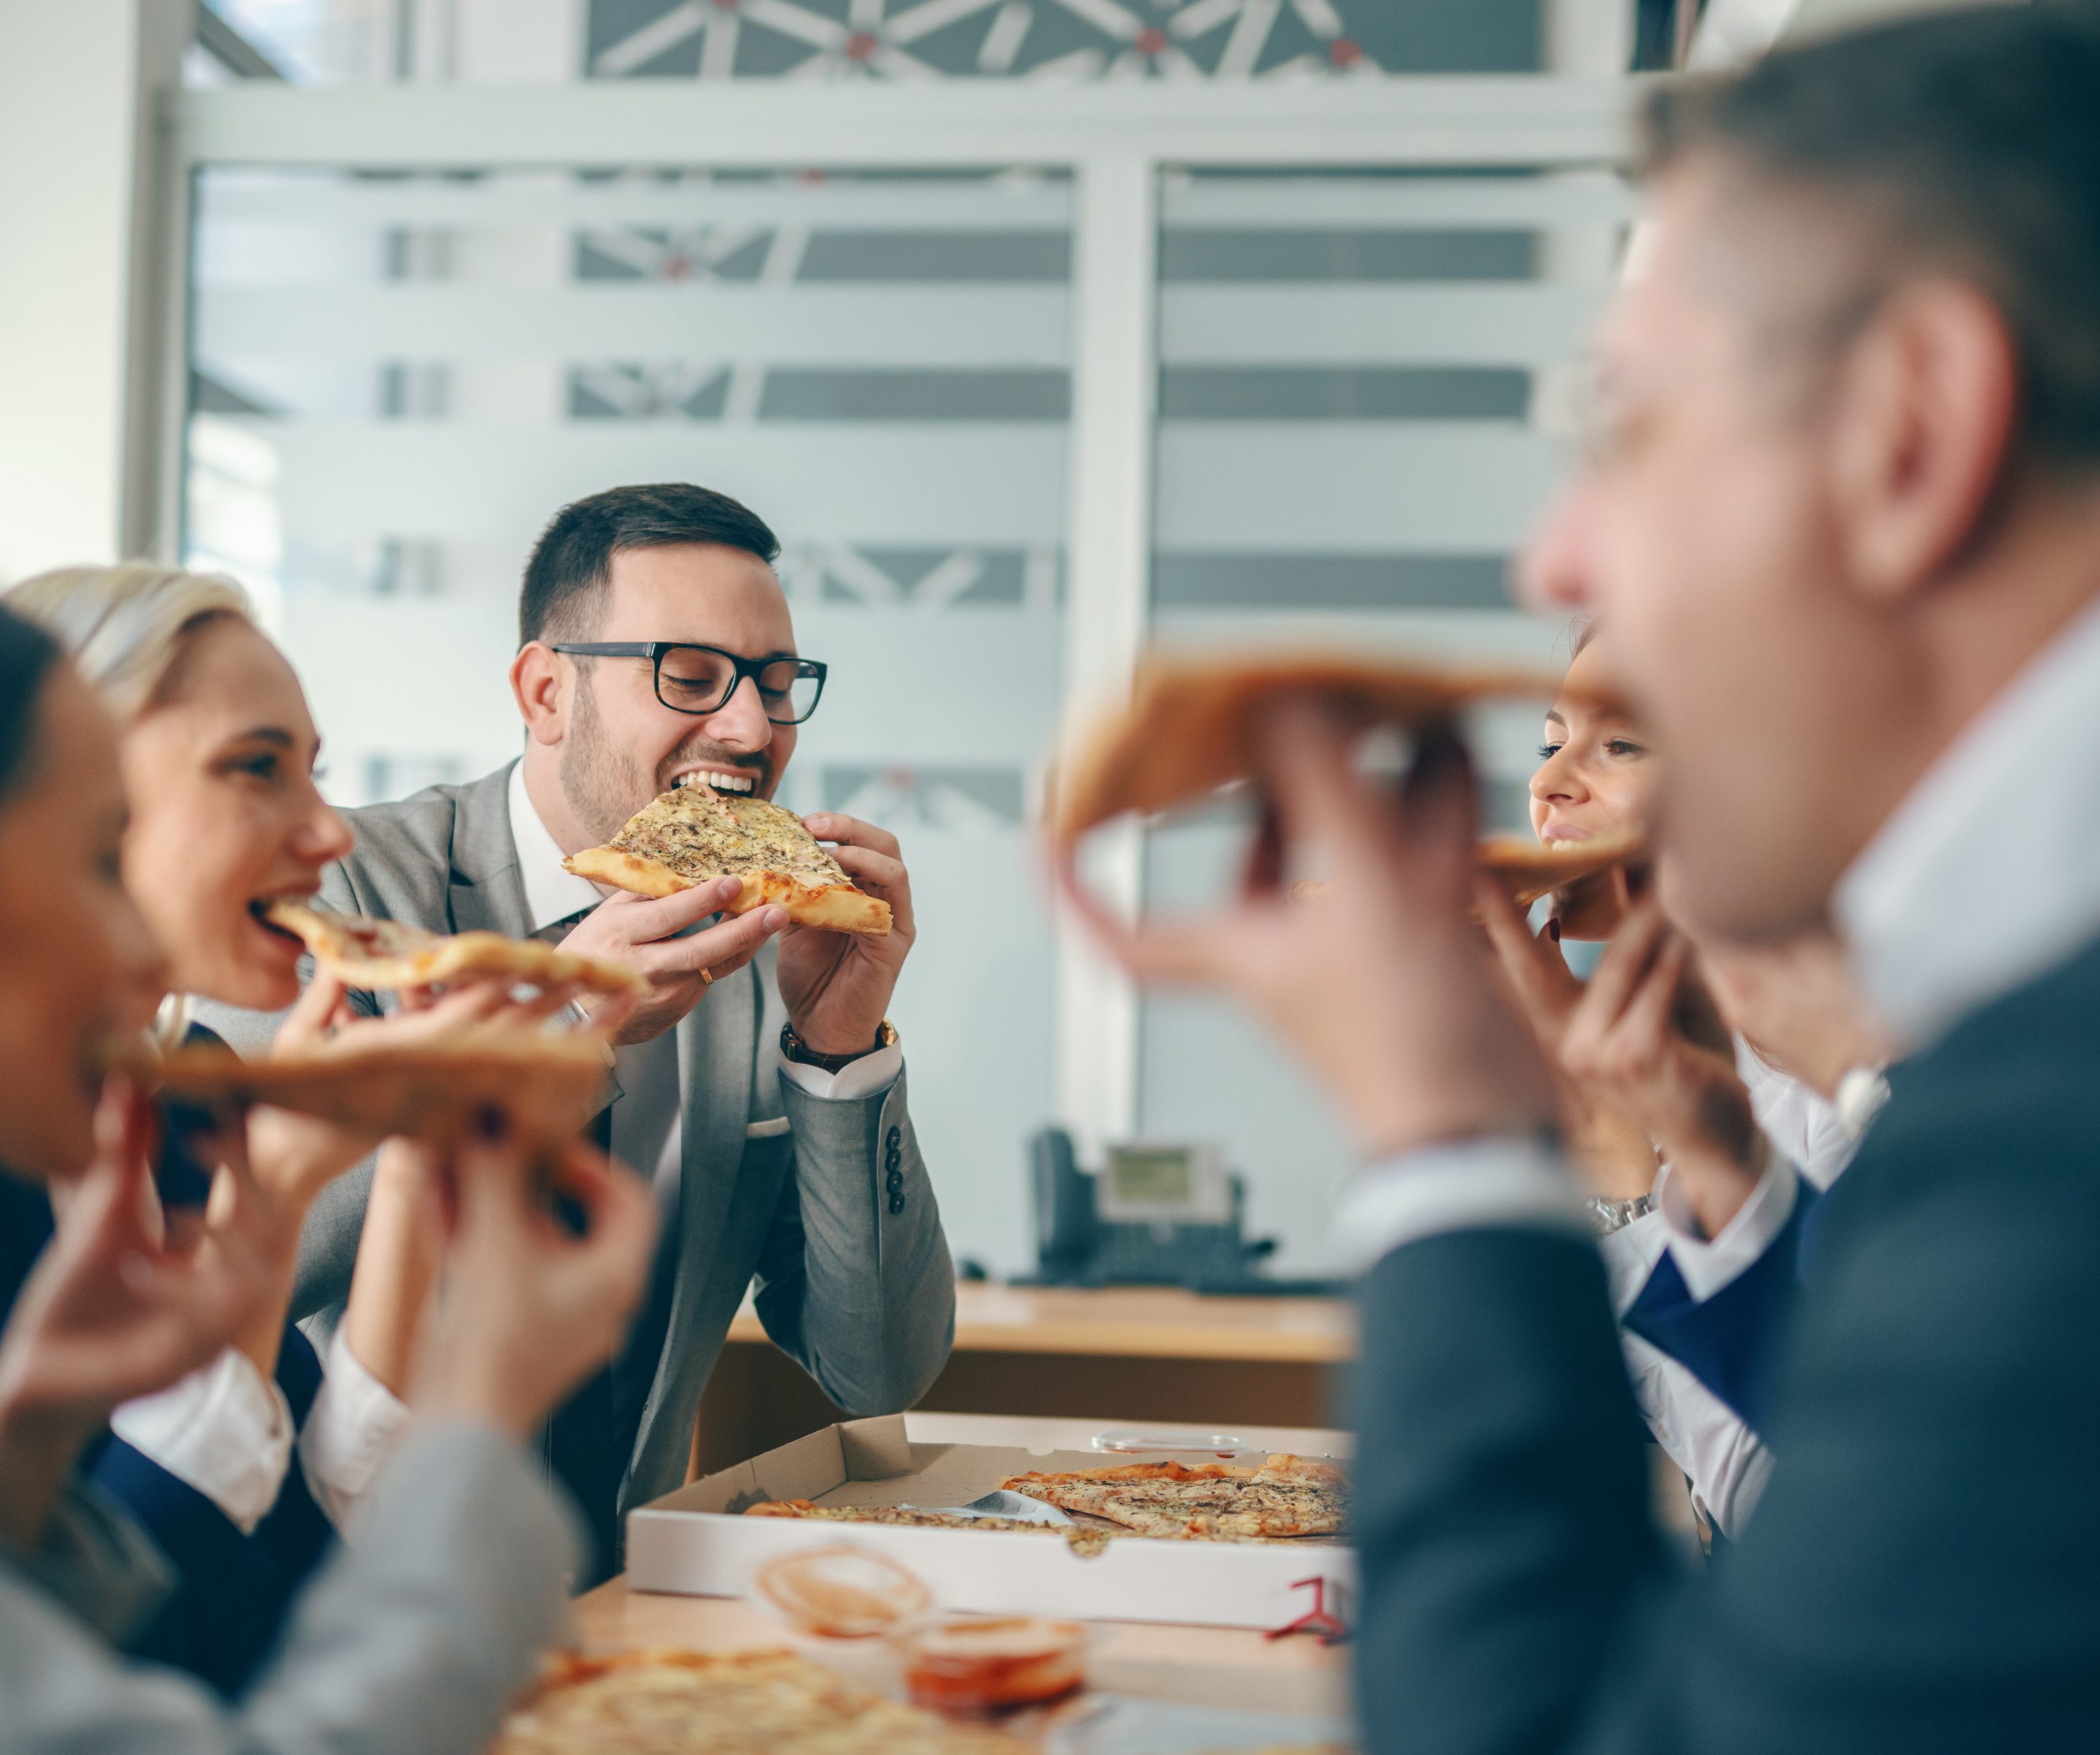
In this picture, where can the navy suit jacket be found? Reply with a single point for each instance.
(233, 1590)
(1923, 1573)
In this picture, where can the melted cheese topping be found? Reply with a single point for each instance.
(698, 833)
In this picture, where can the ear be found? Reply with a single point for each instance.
(1923, 423)
(541, 683)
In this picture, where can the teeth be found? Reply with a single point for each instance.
(721, 783)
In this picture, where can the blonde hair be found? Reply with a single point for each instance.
(126, 626)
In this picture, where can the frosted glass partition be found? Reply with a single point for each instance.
(1347, 456)
(396, 379)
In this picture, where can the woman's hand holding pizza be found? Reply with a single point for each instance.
(837, 985)
(1622, 1041)
(297, 1155)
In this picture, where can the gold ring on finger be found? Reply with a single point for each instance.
(707, 977)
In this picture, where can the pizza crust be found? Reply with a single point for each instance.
(1528, 870)
(548, 1082)
(378, 955)
(1188, 726)
(714, 837)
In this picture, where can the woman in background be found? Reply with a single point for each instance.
(243, 1469)
(1674, 1117)
(412, 1643)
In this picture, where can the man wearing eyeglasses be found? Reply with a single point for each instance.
(760, 1083)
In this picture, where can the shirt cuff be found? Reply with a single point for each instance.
(857, 1078)
(1630, 1254)
(1469, 1185)
(1708, 1266)
(223, 1430)
(355, 1426)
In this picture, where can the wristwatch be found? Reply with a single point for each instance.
(1608, 1216)
(794, 1048)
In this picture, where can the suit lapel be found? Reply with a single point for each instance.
(485, 892)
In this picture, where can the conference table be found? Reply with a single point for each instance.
(1232, 1668)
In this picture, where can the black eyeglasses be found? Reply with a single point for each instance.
(700, 679)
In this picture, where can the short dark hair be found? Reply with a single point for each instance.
(1970, 141)
(571, 564)
(28, 654)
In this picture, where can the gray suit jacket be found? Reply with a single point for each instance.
(412, 1641)
(862, 1296)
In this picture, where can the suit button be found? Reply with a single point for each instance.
(895, 1184)
(896, 1139)
(897, 1203)
(894, 1162)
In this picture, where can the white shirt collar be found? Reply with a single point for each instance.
(1989, 873)
(552, 893)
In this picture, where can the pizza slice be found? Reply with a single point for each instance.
(692, 834)
(667, 1702)
(548, 1082)
(1189, 725)
(378, 954)
(1286, 1497)
(1528, 870)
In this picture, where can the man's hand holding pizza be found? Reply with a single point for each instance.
(837, 985)
(644, 934)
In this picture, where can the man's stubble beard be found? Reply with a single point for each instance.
(601, 786)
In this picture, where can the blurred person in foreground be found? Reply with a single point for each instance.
(415, 1640)
(1842, 519)
(759, 1084)
(243, 1470)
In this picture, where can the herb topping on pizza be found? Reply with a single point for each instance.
(692, 834)
(1287, 1496)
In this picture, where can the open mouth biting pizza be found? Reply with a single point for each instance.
(1287, 1496)
(378, 955)
(1189, 725)
(731, 1703)
(693, 834)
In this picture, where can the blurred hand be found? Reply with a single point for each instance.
(1622, 1042)
(1798, 1006)
(109, 1312)
(1381, 990)
(642, 932)
(296, 1156)
(527, 1309)
(1613, 1152)
(837, 985)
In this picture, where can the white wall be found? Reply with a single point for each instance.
(74, 242)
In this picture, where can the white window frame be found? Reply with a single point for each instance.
(1112, 140)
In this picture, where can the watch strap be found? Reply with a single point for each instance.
(792, 1047)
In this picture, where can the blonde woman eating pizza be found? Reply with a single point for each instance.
(413, 1641)
(243, 1470)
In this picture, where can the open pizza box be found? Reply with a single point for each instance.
(695, 1542)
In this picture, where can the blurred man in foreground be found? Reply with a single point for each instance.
(1843, 520)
